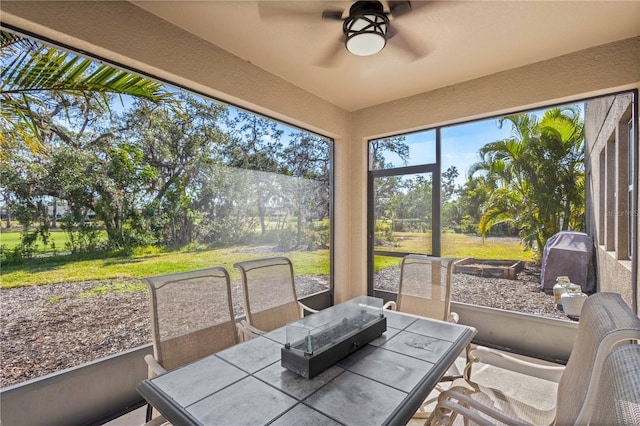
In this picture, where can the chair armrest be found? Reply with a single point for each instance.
(502, 360)
(154, 366)
(454, 317)
(247, 330)
(306, 308)
(390, 305)
(456, 401)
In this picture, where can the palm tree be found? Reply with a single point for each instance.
(536, 176)
(30, 69)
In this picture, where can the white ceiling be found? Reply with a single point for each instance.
(459, 40)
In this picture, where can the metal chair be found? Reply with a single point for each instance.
(606, 321)
(270, 297)
(425, 288)
(191, 317)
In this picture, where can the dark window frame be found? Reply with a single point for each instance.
(371, 174)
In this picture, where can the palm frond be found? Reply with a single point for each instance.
(491, 218)
(31, 69)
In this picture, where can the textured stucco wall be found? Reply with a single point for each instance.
(602, 117)
(614, 275)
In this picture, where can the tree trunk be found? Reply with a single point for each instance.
(54, 214)
(83, 218)
(8, 217)
(261, 211)
(299, 227)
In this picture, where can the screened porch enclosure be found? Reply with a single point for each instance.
(363, 233)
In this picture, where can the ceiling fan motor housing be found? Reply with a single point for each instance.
(360, 8)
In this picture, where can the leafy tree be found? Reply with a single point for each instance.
(416, 203)
(256, 145)
(448, 183)
(76, 170)
(378, 148)
(306, 160)
(536, 176)
(226, 206)
(450, 213)
(387, 189)
(472, 197)
(53, 102)
(178, 149)
(193, 172)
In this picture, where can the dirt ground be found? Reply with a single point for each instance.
(45, 329)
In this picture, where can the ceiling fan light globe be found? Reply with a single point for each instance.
(366, 30)
(365, 44)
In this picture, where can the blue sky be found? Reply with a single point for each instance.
(460, 143)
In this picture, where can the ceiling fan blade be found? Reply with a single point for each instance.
(335, 15)
(288, 10)
(331, 56)
(399, 8)
(399, 40)
(391, 32)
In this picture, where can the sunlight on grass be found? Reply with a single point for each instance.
(460, 246)
(151, 261)
(412, 242)
(384, 262)
(10, 238)
(65, 269)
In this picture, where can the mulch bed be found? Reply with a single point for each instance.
(521, 295)
(48, 328)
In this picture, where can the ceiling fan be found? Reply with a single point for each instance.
(367, 28)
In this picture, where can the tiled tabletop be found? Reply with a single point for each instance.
(384, 382)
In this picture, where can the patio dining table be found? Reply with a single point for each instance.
(383, 383)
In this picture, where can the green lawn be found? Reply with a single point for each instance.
(57, 269)
(461, 245)
(11, 238)
(67, 269)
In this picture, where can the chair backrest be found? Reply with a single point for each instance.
(618, 401)
(192, 315)
(606, 321)
(425, 286)
(270, 298)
